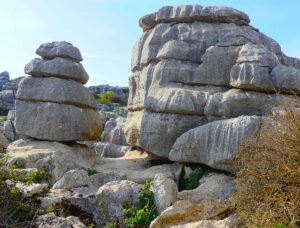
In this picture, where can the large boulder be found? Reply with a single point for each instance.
(59, 49)
(66, 92)
(198, 64)
(56, 122)
(57, 67)
(215, 143)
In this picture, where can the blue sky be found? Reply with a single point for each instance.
(105, 30)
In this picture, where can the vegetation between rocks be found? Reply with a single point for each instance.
(191, 182)
(143, 215)
(268, 179)
(17, 210)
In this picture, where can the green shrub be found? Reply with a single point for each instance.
(91, 172)
(192, 181)
(16, 210)
(137, 217)
(142, 216)
(268, 177)
(107, 97)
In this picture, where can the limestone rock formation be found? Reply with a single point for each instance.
(4, 78)
(53, 104)
(194, 65)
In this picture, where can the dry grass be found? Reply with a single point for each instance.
(268, 178)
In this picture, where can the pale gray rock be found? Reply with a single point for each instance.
(7, 99)
(148, 130)
(114, 131)
(237, 102)
(286, 79)
(190, 13)
(165, 192)
(224, 58)
(229, 222)
(56, 122)
(57, 67)
(55, 90)
(50, 220)
(59, 49)
(9, 130)
(72, 179)
(11, 115)
(111, 150)
(215, 143)
(212, 186)
(32, 189)
(114, 194)
(4, 79)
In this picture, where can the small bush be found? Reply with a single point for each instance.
(91, 172)
(16, 210)
(142, 216)
(268, 177)
(192, 181)
(137, 217)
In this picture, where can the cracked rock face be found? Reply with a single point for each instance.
(194, 65)
(53, 104)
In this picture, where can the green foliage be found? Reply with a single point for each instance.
(192, 181)
(107, 97)
(40, 176)
(110, 97)
(142, 216)
(16, 210)
(91, 172)
(3, 112)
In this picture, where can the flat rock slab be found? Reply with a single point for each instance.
(215, 143)
(59, 49)
(57, 67)
(55, 90)
(189, 13)
(57, 122)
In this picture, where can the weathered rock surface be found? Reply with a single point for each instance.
(9, 130)
(115, 194)
(4, 78)
(56, 122)
(114, 131)
(59, 49)
(215, 143)
(30, 190)
(165, 192)
(157, 132)
(72, 179)
(191, 13)
(229, 222)
(44, 154)
(207, 61)
(55, 90)
(110, 150)
(57, 67)
(213, 186)
(52, 221)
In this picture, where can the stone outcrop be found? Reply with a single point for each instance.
(195, 65)
(4, 78)
(53, 104)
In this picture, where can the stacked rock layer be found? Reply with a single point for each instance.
(202, 79)
(53, 104)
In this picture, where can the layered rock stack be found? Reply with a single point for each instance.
(53, 104)
(202, 80)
